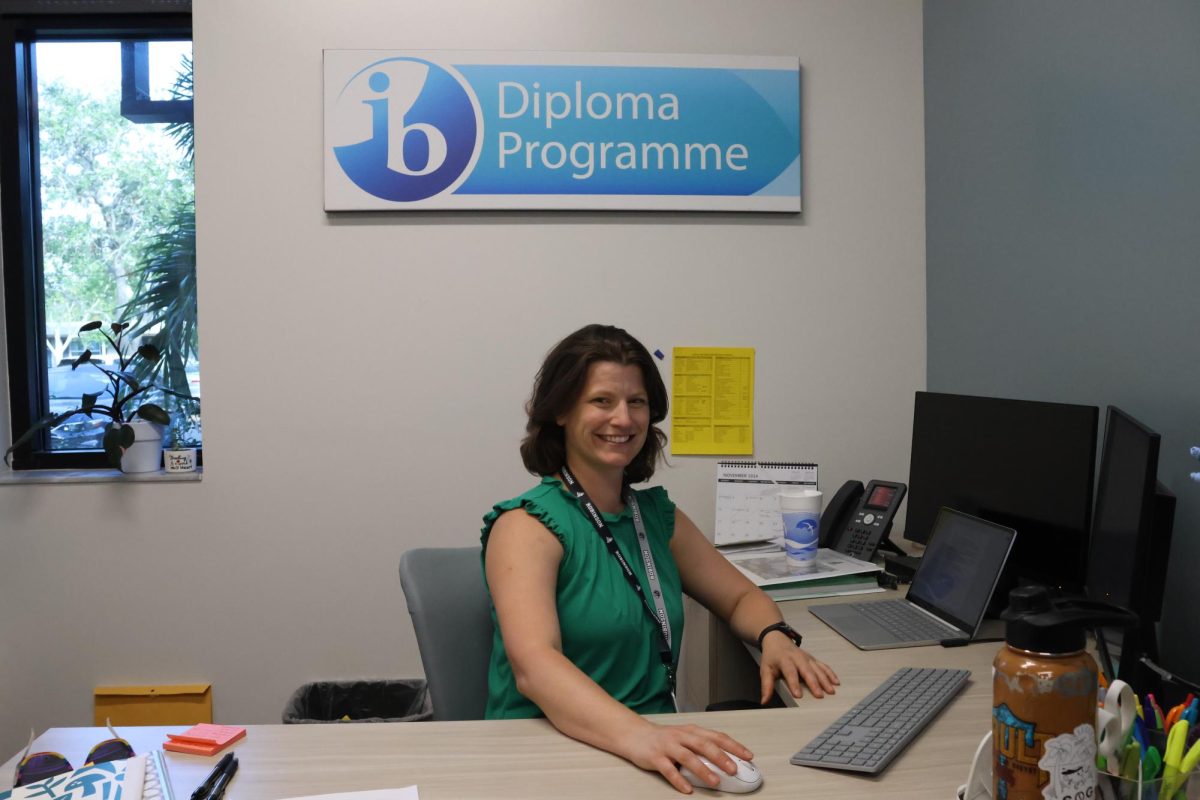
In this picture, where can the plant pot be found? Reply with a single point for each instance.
(179, 459)
(145, 454)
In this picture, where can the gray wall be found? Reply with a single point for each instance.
(364, 375)
(1062, 147)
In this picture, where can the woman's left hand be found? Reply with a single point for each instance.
(783, 659)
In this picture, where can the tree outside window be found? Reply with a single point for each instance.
(118, 225)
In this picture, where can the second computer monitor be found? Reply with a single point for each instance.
(1123, 531)
(1025, 464)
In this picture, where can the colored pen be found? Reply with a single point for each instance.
(218, 791)
(1190, 761)
(1173, 776)
(1158, 715)
(1192, 712)
(203, 789)
(1172, 717)
(1173, 787)
(1130, 762)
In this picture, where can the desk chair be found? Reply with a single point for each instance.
(451, 614)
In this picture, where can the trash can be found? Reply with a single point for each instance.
(404, 700)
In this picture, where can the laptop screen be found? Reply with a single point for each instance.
(960, 568)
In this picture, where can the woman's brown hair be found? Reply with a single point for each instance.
(559, 384)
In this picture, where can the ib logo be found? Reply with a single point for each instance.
(406, 129)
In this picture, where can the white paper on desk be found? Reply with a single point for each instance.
(770, 569)
(407, 793)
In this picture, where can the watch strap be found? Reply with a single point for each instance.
(785, 629)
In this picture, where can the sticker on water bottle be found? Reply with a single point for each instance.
(1070, 760)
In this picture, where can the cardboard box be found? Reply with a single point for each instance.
(185, 704)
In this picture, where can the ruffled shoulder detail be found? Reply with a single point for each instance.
(544, 502)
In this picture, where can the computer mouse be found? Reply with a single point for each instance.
(747, 779)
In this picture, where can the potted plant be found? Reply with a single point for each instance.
(180, 454)
(133, 440)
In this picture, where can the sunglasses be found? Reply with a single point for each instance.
(34, 767)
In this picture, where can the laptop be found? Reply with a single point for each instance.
(950, 591)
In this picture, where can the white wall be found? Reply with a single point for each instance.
(364, 375)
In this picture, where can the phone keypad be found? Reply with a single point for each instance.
(859, 543)
(863, 530)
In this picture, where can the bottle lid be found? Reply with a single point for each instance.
(1042, 624)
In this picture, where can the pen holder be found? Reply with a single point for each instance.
(1125, 787)
(1113, 787)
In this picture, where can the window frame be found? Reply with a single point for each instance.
(20, 219)
(136, 104)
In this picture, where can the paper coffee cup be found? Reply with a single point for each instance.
(801, 511)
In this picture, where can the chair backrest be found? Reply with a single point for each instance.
(451, 614)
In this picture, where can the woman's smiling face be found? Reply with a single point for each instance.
(607, 426)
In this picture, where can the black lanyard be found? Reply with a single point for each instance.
(660, 619)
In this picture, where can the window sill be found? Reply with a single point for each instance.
(22, 477)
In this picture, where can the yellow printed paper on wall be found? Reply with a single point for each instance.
(712, 401)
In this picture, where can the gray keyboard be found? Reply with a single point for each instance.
(867, 737)
(902, 619)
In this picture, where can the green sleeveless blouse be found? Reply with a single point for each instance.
(605, 630)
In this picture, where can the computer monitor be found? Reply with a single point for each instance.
(1131, 537)
(1123, 526)
(1025, 464)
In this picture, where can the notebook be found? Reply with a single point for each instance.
(949, 593)
(139, 778)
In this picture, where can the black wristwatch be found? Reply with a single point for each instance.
(785, 629)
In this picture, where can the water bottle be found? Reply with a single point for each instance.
(1044, 697)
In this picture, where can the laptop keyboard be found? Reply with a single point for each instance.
(903, 620)
(868, 736)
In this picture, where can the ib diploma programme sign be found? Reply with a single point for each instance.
(481, 130)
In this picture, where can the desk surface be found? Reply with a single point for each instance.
(529, 759)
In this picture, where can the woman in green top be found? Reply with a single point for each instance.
(573, 639)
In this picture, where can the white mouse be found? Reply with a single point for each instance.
(747, 779)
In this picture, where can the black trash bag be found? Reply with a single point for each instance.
(404, 700)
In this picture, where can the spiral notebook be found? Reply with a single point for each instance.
(139, 778)
(747, 498)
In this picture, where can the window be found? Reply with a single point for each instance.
(97, 216)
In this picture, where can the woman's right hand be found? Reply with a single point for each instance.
(667, 748)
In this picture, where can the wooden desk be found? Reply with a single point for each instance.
(528, 759)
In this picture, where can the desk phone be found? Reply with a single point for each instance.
(857, 519)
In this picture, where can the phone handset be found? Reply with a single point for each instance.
(856, 520)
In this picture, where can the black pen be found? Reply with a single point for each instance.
(203, 789)
(218, 791)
